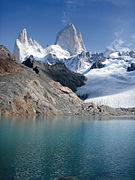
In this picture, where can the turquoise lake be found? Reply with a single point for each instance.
(84, 147)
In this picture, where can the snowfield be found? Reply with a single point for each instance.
(111, 85)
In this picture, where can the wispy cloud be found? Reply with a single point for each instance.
(70, 2)
(133, 37)
(114, 2)
(65, 18)
(70, 5)
(119, 44)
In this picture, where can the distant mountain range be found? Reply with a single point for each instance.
(110, 74)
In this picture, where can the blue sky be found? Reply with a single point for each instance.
(98, 20)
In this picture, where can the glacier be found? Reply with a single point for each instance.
(111, 85)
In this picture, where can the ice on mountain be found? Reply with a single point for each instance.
(23, 48)
(111, 85)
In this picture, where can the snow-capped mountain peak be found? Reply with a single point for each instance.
(69, 40)
(23, 36)
(68, 43)
(25, 47)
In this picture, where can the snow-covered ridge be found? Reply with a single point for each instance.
(68, 43)
(24, 48)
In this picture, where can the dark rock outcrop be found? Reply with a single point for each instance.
(98, 64)
(65, 178)
(29, 62)
(131, 68)
(58, 72)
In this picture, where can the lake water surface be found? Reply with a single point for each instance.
(87, 148)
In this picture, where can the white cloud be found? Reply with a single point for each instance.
(115, 2)
(70, 6)
(133, 37)
(119, 2)
(65, 18)
(119, 44)
(70, 2)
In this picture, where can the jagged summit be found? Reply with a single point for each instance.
(23, 36)
(70, 25)
(68, 43)
(25, 47)
(69, 40)
(81, 40)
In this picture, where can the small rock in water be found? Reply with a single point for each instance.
(65, 178)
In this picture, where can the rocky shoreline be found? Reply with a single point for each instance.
(43, 90)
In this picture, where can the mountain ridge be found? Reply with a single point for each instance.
(25, 47)
(113, 64)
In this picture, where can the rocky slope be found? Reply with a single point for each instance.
(24, 91)
(58, 72)
(5, 53)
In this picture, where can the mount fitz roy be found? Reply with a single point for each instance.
(68, 48)
(69, 40)
(110, 74)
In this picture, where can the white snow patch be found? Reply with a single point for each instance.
(112, 85)
(125, 100)
(24, 50)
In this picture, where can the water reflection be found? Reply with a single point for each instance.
(85, 147)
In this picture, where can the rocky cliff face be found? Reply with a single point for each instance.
(69, 40)
(23, 37)
(81, 41)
